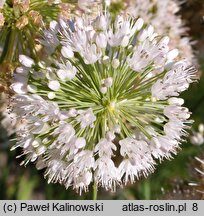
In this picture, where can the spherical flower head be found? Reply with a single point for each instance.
(110, 93)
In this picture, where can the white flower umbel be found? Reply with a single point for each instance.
(104, 107)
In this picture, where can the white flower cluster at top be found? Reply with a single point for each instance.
(106, 107)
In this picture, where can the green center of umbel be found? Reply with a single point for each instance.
(126, 100)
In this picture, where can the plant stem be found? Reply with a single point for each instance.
(147, 191)
(9, 47)
(95, 191)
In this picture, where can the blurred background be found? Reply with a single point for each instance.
(180, 178)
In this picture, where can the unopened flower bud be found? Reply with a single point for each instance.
(41, 150)
(32, 88)
(36, 17)
(54, 85)
(26, 61)
(36, 142)
(116, 129)
(22, 22)
(80, 142)
(103, 90)
(51, 95)
(106, 60)
(176, 101)
(115, 63)
(110, 136)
